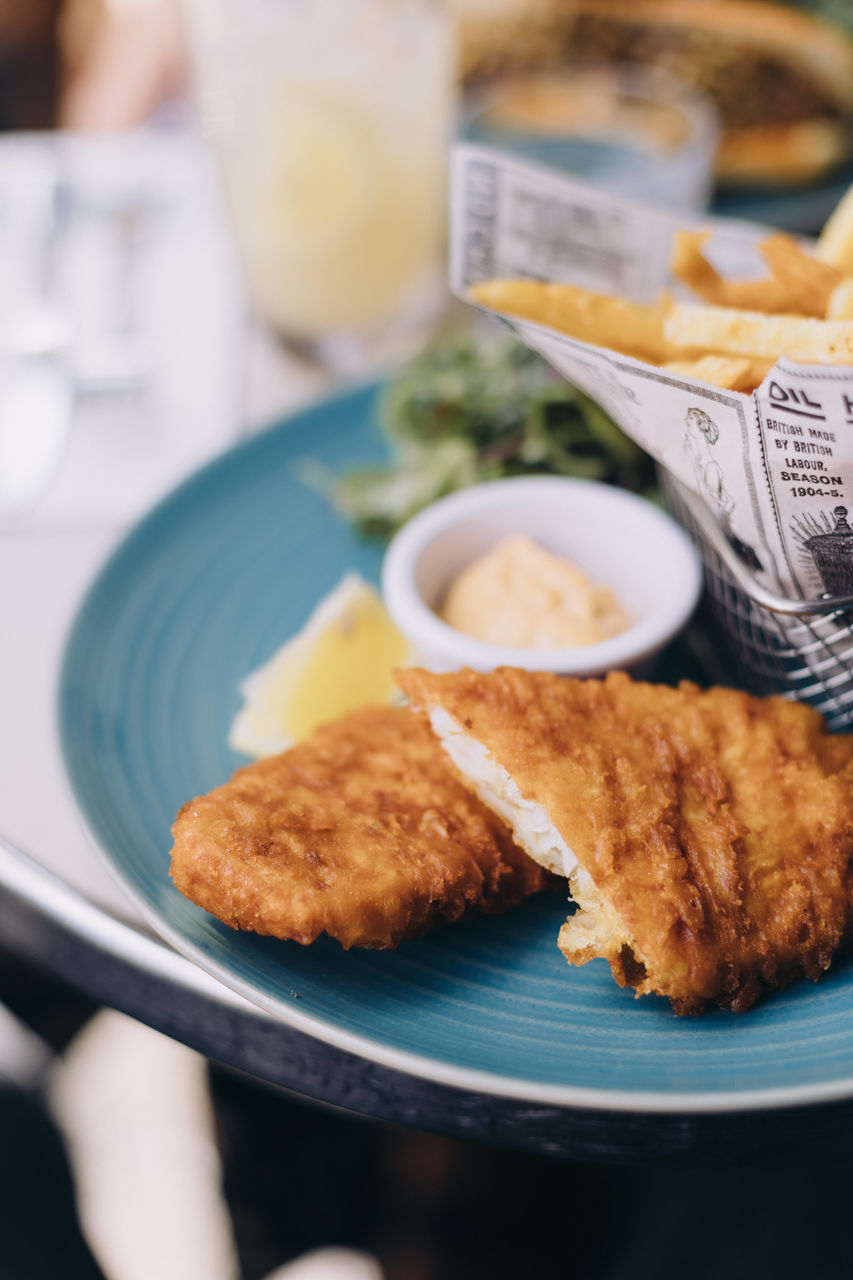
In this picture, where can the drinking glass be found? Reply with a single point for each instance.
(331, 121)
(633, 130)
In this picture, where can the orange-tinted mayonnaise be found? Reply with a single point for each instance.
(524, 597)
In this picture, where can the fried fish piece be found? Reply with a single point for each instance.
(707, 834)
(364, 831)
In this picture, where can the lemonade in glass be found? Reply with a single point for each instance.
(331, 121)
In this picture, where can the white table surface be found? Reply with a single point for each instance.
(213, 376)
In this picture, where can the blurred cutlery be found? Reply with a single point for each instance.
(36, 404)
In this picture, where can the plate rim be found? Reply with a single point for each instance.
(470, 1079)
(421, 1066)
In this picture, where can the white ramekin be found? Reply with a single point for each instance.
(619, 540)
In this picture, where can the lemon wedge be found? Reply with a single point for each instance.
(341, 659)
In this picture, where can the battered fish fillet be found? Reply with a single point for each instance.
(364, 831)
(707, 835)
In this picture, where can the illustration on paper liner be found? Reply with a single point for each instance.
(700, 436)
(827, 543)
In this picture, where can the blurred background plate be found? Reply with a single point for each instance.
(803, 210)
(206, 587)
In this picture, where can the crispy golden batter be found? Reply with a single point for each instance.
(364, 832)
(713, 830)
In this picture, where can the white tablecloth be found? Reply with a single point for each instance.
(210, 375)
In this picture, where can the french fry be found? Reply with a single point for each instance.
(689, 264)
(732, 373)
(630, 327)
(835, 243)
(841, 301)
(803, 309)
(692, 331)
(769, 296)
(809, 280)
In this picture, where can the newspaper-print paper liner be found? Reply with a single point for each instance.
(775, 467)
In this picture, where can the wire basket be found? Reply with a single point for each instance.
(800, 648)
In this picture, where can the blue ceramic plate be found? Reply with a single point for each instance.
(204, 589)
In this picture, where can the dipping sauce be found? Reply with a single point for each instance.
(524, 597)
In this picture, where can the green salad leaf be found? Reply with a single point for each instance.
(839, 12)
(480, 406)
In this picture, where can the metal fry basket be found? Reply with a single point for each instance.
(799, 648)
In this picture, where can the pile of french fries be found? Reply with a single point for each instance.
(801, 308)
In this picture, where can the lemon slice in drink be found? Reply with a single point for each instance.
(341, 659)
(325, 164)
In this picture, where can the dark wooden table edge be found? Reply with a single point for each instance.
(170, 995)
